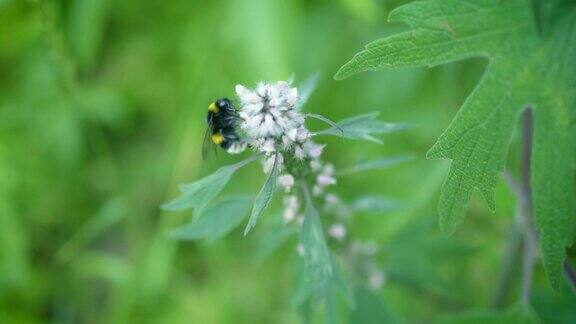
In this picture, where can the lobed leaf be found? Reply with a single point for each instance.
(216, 221)
(525, 70)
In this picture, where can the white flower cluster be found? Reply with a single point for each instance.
(268, 113)
(274, 127)
(272, 124)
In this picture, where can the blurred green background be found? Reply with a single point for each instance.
(102, 107)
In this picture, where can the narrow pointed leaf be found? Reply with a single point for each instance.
(199, 194)
(216, 221)
(326, 120)
(362, 127)
(318, 268)
(264, 197)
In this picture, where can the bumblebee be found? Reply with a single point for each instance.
(222, 120)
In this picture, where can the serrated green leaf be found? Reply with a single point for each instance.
(362, 127)
(200, 193)
(264, 197)
(524, 70)
(376, 164)
(216, 221)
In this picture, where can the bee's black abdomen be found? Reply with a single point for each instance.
(230, 137)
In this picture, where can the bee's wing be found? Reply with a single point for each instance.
(206, 144)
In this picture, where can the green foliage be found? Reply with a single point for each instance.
(88, 154)
(199, 194)
(327, 121)
(371, 309)
(373, 204)
(86, 29)
(264, 196)
(273, 240)
(318, 270)
(216, 221)
(362, 127)
(524, 70)
(381, 163)
(305, 90)
(555, 308)
(537, 12)
(411, 252)
(110, 214)
(518, 314)
(319, 277)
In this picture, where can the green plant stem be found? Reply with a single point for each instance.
(527, 208)
(522, 231)
(511, 255)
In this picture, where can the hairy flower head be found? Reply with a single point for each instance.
(268, 110)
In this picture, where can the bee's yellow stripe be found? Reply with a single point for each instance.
(213, 108)
(217, 138)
